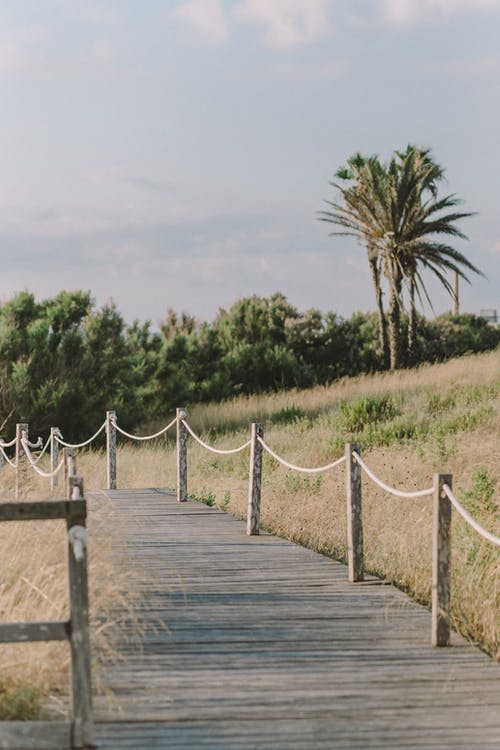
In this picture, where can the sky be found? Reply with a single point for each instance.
(176, 153)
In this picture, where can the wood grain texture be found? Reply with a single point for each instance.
(254, 642)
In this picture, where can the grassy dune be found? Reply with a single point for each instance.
(410, 424)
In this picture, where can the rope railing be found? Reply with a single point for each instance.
(7, 459)
(3, 444)
(210, 448)
(59, 439)
(470, 520)
(143, 437)
(44, 449)
(388, 488)
(33, 463)
(302, 469)
(443, 498)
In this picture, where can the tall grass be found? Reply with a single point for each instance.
(410, 424)
(34, 586)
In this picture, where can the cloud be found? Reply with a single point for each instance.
(206, 18)
(406, 12)
(287, 23)
(23, 50)
(305, 72)
(472, 67)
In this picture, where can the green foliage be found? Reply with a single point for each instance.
(19, 701)
(481, 495)
(205, 496)
(64, 363)
(295, 482)
(288, 415)
(367, 410)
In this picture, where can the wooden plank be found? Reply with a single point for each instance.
(43, 510)
(18, 632)
(34, 735)
(81, 692)
(255, 642)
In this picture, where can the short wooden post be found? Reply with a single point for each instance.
(354, 515)
(111, 448)
(21, 459)
(69, 467)
(181, 456)
(255, 480)
(54, 456)
(441, 559)
(82, 728)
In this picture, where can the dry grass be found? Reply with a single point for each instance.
(454, 411)
(35, 676)
(446, 418)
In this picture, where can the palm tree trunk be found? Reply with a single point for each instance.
(382, 322)
(395, 320)
(412, 323)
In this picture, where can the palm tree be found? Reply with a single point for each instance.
(419, 217)
(358, 214)
(394, 211)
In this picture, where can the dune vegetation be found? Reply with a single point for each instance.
(409, 423)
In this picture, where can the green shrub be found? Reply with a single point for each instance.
(18, 701)
(367, 410)
(288, 415)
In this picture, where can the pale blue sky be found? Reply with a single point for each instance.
(174, 153)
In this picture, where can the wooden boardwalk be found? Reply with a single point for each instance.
(268, 646)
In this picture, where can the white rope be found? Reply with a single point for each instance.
(3, 444)
(43, 450)
(145, 437)
(32, 461)
(384, 486)
(486, 534)
(11, 463)
(80, 445)
(300, 468)
(38, 444)
(209, 447)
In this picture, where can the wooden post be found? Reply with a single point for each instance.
(75, 487)
(441, 562)
(254, 480)
(2, 460)
(21, 459)
(81, 689)
(69, 467)
(111, 449)
(54, 456)
(181, 456)
(354, 515)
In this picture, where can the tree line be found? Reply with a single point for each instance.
(64, 362)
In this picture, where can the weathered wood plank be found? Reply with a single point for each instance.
(19, 632)
(254, 642)
(34, 735)
(43, 510)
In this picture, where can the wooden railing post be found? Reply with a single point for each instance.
(441, 556)
(181, 456)
(54, 457)
(69, 467)
(111, 449)
(21, 459)
(255, 480)
(81, 689)
(354, 515)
